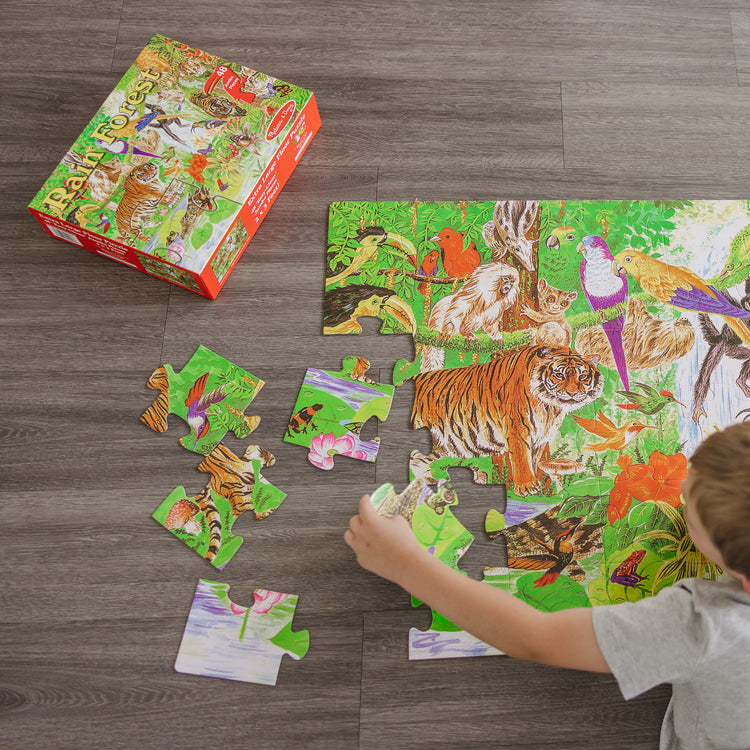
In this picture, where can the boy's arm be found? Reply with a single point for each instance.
(387, 546)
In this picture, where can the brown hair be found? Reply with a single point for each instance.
(721, 492)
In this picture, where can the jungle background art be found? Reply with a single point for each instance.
(575, 352)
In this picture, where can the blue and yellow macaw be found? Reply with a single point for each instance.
(682, 288)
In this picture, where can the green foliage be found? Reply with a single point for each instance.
(562, 593)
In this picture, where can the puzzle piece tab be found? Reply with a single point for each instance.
(223, 639)
(331, 409)
(210, 394)
(204, 521)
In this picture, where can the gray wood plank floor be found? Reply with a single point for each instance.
(419, 99)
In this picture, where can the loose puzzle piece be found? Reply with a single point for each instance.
(439, 532)
(331, 409)
(210, 394)
(204, 521)
(222, 639)
(430, 517)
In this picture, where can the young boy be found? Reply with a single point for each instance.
(694, 634)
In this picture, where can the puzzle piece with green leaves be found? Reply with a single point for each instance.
(331, 409)
(210, 394)
(428, 511)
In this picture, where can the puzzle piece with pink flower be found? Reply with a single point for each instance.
(224, 639)
(331, 409)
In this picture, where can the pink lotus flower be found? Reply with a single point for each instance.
(324, 447)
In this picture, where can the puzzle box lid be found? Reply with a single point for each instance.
(175, 150)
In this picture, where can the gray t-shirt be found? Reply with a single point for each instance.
(696, 636)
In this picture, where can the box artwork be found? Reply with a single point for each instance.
(179, 166)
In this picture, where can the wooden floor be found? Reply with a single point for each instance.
(427, 99)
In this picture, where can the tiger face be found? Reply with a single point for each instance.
(145, 173)
(217, 106)
(563, 378)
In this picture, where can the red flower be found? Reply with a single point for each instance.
(198, 162)
(659, 479)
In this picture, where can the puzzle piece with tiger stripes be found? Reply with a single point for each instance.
(232, 642)
(204, 521)
(210, 394)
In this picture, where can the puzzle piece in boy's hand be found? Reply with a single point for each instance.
(222, 639)
(439, 532)
(331, 409)
(204, 521)
(210, 394)
(429, 514)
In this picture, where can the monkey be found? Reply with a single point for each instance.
(720, 344)
(479, 305)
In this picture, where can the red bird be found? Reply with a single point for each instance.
(457, 260)
(428, 268)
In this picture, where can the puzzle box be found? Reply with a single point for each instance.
(179, 166)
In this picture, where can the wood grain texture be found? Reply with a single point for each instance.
(429, 100)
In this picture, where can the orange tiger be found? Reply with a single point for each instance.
(141, 193)
(514, 404)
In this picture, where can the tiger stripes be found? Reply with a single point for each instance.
(141, 193)
(155, 416)
(514, 404)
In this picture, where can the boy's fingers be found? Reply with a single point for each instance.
(365, 506)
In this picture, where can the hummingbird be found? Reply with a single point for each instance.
(650, 401)
(615, 438)
(197, 405)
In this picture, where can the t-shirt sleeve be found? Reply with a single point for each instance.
(655, 640)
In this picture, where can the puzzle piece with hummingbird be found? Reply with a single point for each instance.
(429, 513)
(331, 409)
(210, 394)
(204, 521)
(233, 642)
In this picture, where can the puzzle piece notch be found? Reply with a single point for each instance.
(204, 521)
(331, 409)
(223, 639)
(210, 394)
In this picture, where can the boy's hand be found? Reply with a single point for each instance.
(385, 546)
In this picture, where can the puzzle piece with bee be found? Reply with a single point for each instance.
(331, 409)
(204, 521)
(210, 394)
(233, 642)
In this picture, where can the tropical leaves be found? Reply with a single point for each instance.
(688, 561)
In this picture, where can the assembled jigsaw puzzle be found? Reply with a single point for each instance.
(179, 165)
(437, 530)
(575, 352)
(223, 639)
(210, 394)
(204, 521)
(331, 409)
